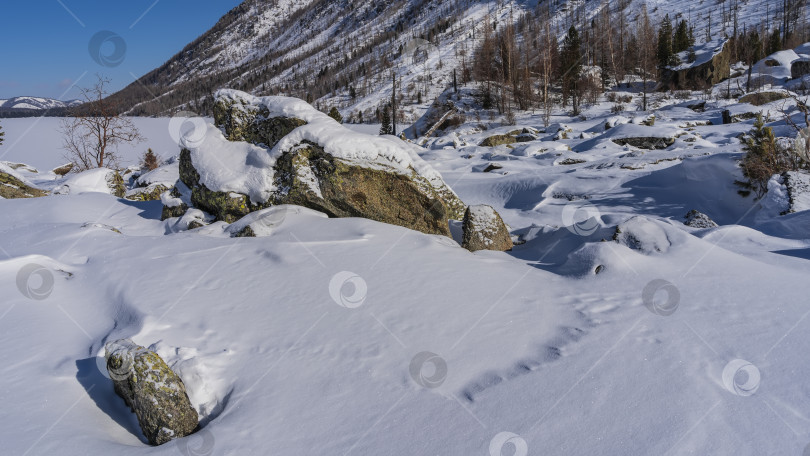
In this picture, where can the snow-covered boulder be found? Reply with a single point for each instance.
(149, 186)
(298, 155)
(266, 221)
(560, 131)
(643, 137)
(710, 66)
(775, 67)
(484, 230)
(612, 121)
(697, 219)
(98, 180)
(152, 390)
(642, 234)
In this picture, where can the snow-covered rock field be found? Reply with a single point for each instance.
(611, 327)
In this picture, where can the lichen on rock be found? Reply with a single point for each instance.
(483, 229)
(152, 390)
(311, 178)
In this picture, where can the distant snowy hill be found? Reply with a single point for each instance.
(320, 50)
(35, 103)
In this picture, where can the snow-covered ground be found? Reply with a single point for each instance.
(611, 328)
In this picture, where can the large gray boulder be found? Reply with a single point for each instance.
(152, 390)
(484, 230)
(276, 150)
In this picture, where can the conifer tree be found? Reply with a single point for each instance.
(775, 42)
(664, 54)
(149, 160)
(385, 128)
(681, 40)
(335, 114)
(2, 133)
(761, 160)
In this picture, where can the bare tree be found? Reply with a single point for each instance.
(94, 131)
(647, 44)
(548, 48)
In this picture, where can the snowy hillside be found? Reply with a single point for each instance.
(272, 47)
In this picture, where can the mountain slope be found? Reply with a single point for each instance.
(327, 51)
(34, 106)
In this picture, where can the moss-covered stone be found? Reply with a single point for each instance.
(150, 193)
(251, 123)
(12, 188)
(498, 140)
(152, 390)
(225, 206)
(188, 174)
(116, 184)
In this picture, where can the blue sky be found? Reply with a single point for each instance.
(45, 48)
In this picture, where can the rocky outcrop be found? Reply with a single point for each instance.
(697, 219)
(484, 230)
(498, 140)
(12, 188)
(322, 166)
(711, 67)
(647, 142)
(152, 390)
